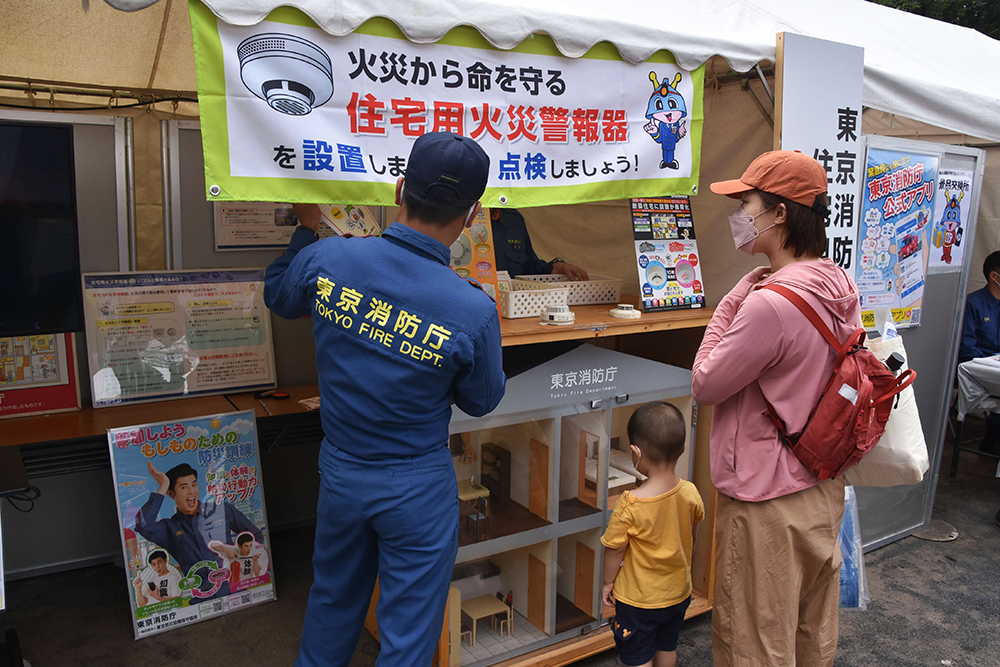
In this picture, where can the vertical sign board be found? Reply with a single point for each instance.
(818, 112)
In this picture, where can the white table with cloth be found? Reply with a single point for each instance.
(978, 391)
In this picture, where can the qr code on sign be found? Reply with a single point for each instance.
(217, 606)
(245, 599)
(915, 317)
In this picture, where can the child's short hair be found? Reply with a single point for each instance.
(658, 429)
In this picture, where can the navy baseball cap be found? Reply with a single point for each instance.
(443, 159)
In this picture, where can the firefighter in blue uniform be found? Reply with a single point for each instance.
(400, 337)
(514, 252)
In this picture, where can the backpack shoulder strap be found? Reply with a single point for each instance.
(808, 311)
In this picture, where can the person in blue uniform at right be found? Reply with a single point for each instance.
(514, 253)
(981, 337)
(400, 337)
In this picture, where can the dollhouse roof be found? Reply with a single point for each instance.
(585, 374)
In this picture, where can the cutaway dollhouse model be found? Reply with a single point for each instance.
(537, 479)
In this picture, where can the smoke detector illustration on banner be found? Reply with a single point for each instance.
(291, 74)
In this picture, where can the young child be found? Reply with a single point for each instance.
(649, 543)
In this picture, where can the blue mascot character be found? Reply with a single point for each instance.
(665, 110)
(951, 225)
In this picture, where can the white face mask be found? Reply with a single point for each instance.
(744, 231)
(468, 216)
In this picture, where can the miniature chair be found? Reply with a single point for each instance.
(479, 518)
(466, 630)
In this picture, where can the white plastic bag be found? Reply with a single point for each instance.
(853, 578)
(900, 457)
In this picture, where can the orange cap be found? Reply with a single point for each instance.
(789, 174)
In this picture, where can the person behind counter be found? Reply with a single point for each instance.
(981, 337)
(777, 553)
(399, 337)
(514, 253)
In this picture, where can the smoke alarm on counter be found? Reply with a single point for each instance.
(625, 311)
(557, 314)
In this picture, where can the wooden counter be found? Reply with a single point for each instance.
(90, 422)
(596, 322)
(275, 407)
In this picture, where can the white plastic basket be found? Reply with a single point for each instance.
(599, 289)
(532, 301)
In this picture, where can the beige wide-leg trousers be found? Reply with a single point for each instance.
(777, 579)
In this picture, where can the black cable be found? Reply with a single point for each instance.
(29, 495)
(97, 108)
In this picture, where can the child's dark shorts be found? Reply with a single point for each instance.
(640, 633)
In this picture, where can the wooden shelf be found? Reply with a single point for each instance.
(596, 322)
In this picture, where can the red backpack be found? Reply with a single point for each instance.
(853, 408)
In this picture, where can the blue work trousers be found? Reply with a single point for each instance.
(392, 518)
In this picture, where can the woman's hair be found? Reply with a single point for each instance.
(805, 229)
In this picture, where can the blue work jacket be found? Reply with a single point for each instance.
(513, 250)
(399, 337)
(981, 326)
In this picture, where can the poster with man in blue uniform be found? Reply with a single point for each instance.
(188, 492)
(400, 338)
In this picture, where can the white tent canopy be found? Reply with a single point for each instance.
(931, 71)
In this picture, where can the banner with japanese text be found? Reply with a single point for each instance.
(897, 205)
(192, 519)
(156, 336)
(291, 113)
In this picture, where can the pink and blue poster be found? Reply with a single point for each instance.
(192, 520)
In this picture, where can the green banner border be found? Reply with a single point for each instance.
(214, 123)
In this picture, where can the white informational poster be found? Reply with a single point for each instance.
(951, 217)
(154, 336)
(821, 116)
(269, 226)
(192, 519)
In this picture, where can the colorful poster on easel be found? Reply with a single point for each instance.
(667, 254)
(951, 217)
(897, 205)
(38, 374)
(472, 255)
(192, 519)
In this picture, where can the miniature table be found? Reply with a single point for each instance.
(483, 607)
(468, 491)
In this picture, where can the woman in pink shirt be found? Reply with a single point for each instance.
(778, 561)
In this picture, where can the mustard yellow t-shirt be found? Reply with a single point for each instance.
(659, 532)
